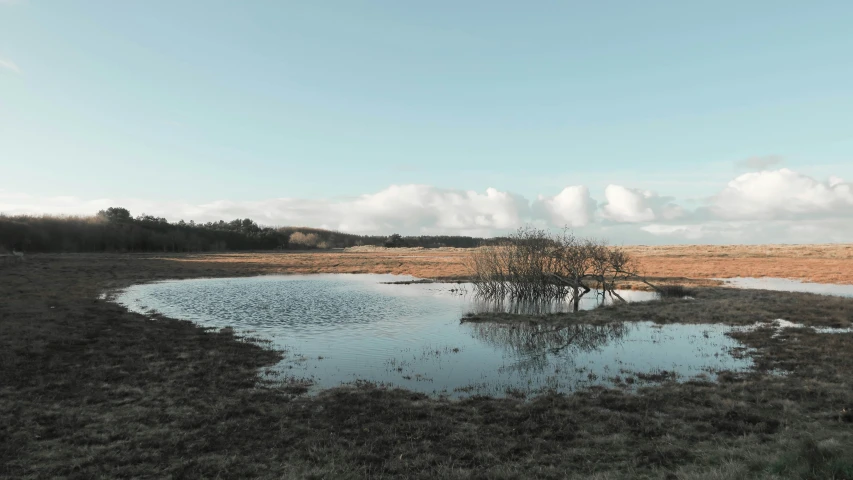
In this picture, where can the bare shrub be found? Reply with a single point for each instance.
(533, 264)
(674, 291)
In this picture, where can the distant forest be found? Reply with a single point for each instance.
(115, 230)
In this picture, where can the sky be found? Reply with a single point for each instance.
(653, 122)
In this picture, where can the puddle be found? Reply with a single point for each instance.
(780, 325)
(339, 329)
(786, 285)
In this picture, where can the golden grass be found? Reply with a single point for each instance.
(813, 263)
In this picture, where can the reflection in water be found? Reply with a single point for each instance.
(594, 299)
(527, 307)
(533, 339)
(338, 329)
(535, 345)
(786, 285)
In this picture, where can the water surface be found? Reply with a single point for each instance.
(787, 285)
(339, 328)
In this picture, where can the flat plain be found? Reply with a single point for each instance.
(812, 263)
(90, 390)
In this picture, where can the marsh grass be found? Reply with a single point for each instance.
(88, 390)
(727, 306)
(674, 291)
(815, 459)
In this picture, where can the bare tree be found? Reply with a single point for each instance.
(533, 264)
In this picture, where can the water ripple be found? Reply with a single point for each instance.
(343, 328)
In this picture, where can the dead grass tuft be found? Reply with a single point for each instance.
(674, 291)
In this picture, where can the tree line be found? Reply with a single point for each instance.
(116, 230)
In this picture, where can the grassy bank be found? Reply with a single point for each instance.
(89, 390)
(728, 306)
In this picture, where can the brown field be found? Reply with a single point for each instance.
(813, 263)
(89, 390)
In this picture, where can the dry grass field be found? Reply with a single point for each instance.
(813, 263)
(90, 390)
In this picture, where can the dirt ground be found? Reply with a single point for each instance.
(89, 390)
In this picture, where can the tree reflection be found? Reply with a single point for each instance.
(533, 339)
(481, 304)
(541, 306)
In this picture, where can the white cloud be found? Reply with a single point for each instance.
(9, 65)
(711, 231)
(626, 205)
(767, 206)
(633, 205)
(782, 194)
(573, 207)
(410, 209)
(755, 231)
(424, 208)
(692, 232)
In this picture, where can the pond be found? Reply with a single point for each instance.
(344, 328)
(786, 285)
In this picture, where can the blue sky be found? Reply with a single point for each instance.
(176, 106)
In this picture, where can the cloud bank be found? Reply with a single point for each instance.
(782, 194)
(632, 205)
(769, 206)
